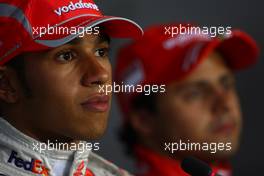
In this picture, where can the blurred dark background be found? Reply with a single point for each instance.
(247, 15)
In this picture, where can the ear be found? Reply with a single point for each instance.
(143, 122)
(8, 92)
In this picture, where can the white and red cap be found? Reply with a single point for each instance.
(20, 21)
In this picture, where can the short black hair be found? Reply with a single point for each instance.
(127, 134)
(18, 65)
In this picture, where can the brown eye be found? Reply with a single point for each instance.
(101, 52)
(66, 56)
(228, 82)
(193, 94)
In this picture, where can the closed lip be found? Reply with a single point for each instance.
(97, 103)
(226, 128)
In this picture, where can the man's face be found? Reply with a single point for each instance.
(204, 107)
(64, 85)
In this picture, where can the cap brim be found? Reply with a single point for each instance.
(119, 27)
(239, 50)
(116, 27)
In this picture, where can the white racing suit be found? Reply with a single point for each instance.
(18, 157)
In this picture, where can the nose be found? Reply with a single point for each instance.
(95, 73)
(220, 102)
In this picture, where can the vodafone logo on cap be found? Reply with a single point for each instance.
(75, 6)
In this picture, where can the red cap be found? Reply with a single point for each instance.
(21, 22)
(159, 59)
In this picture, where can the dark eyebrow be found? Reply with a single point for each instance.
(205, 83)
(75, 41)
(103, 38)
(100, 39)
(194, 84)
(200, 83)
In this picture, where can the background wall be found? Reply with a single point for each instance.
(244, 14)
